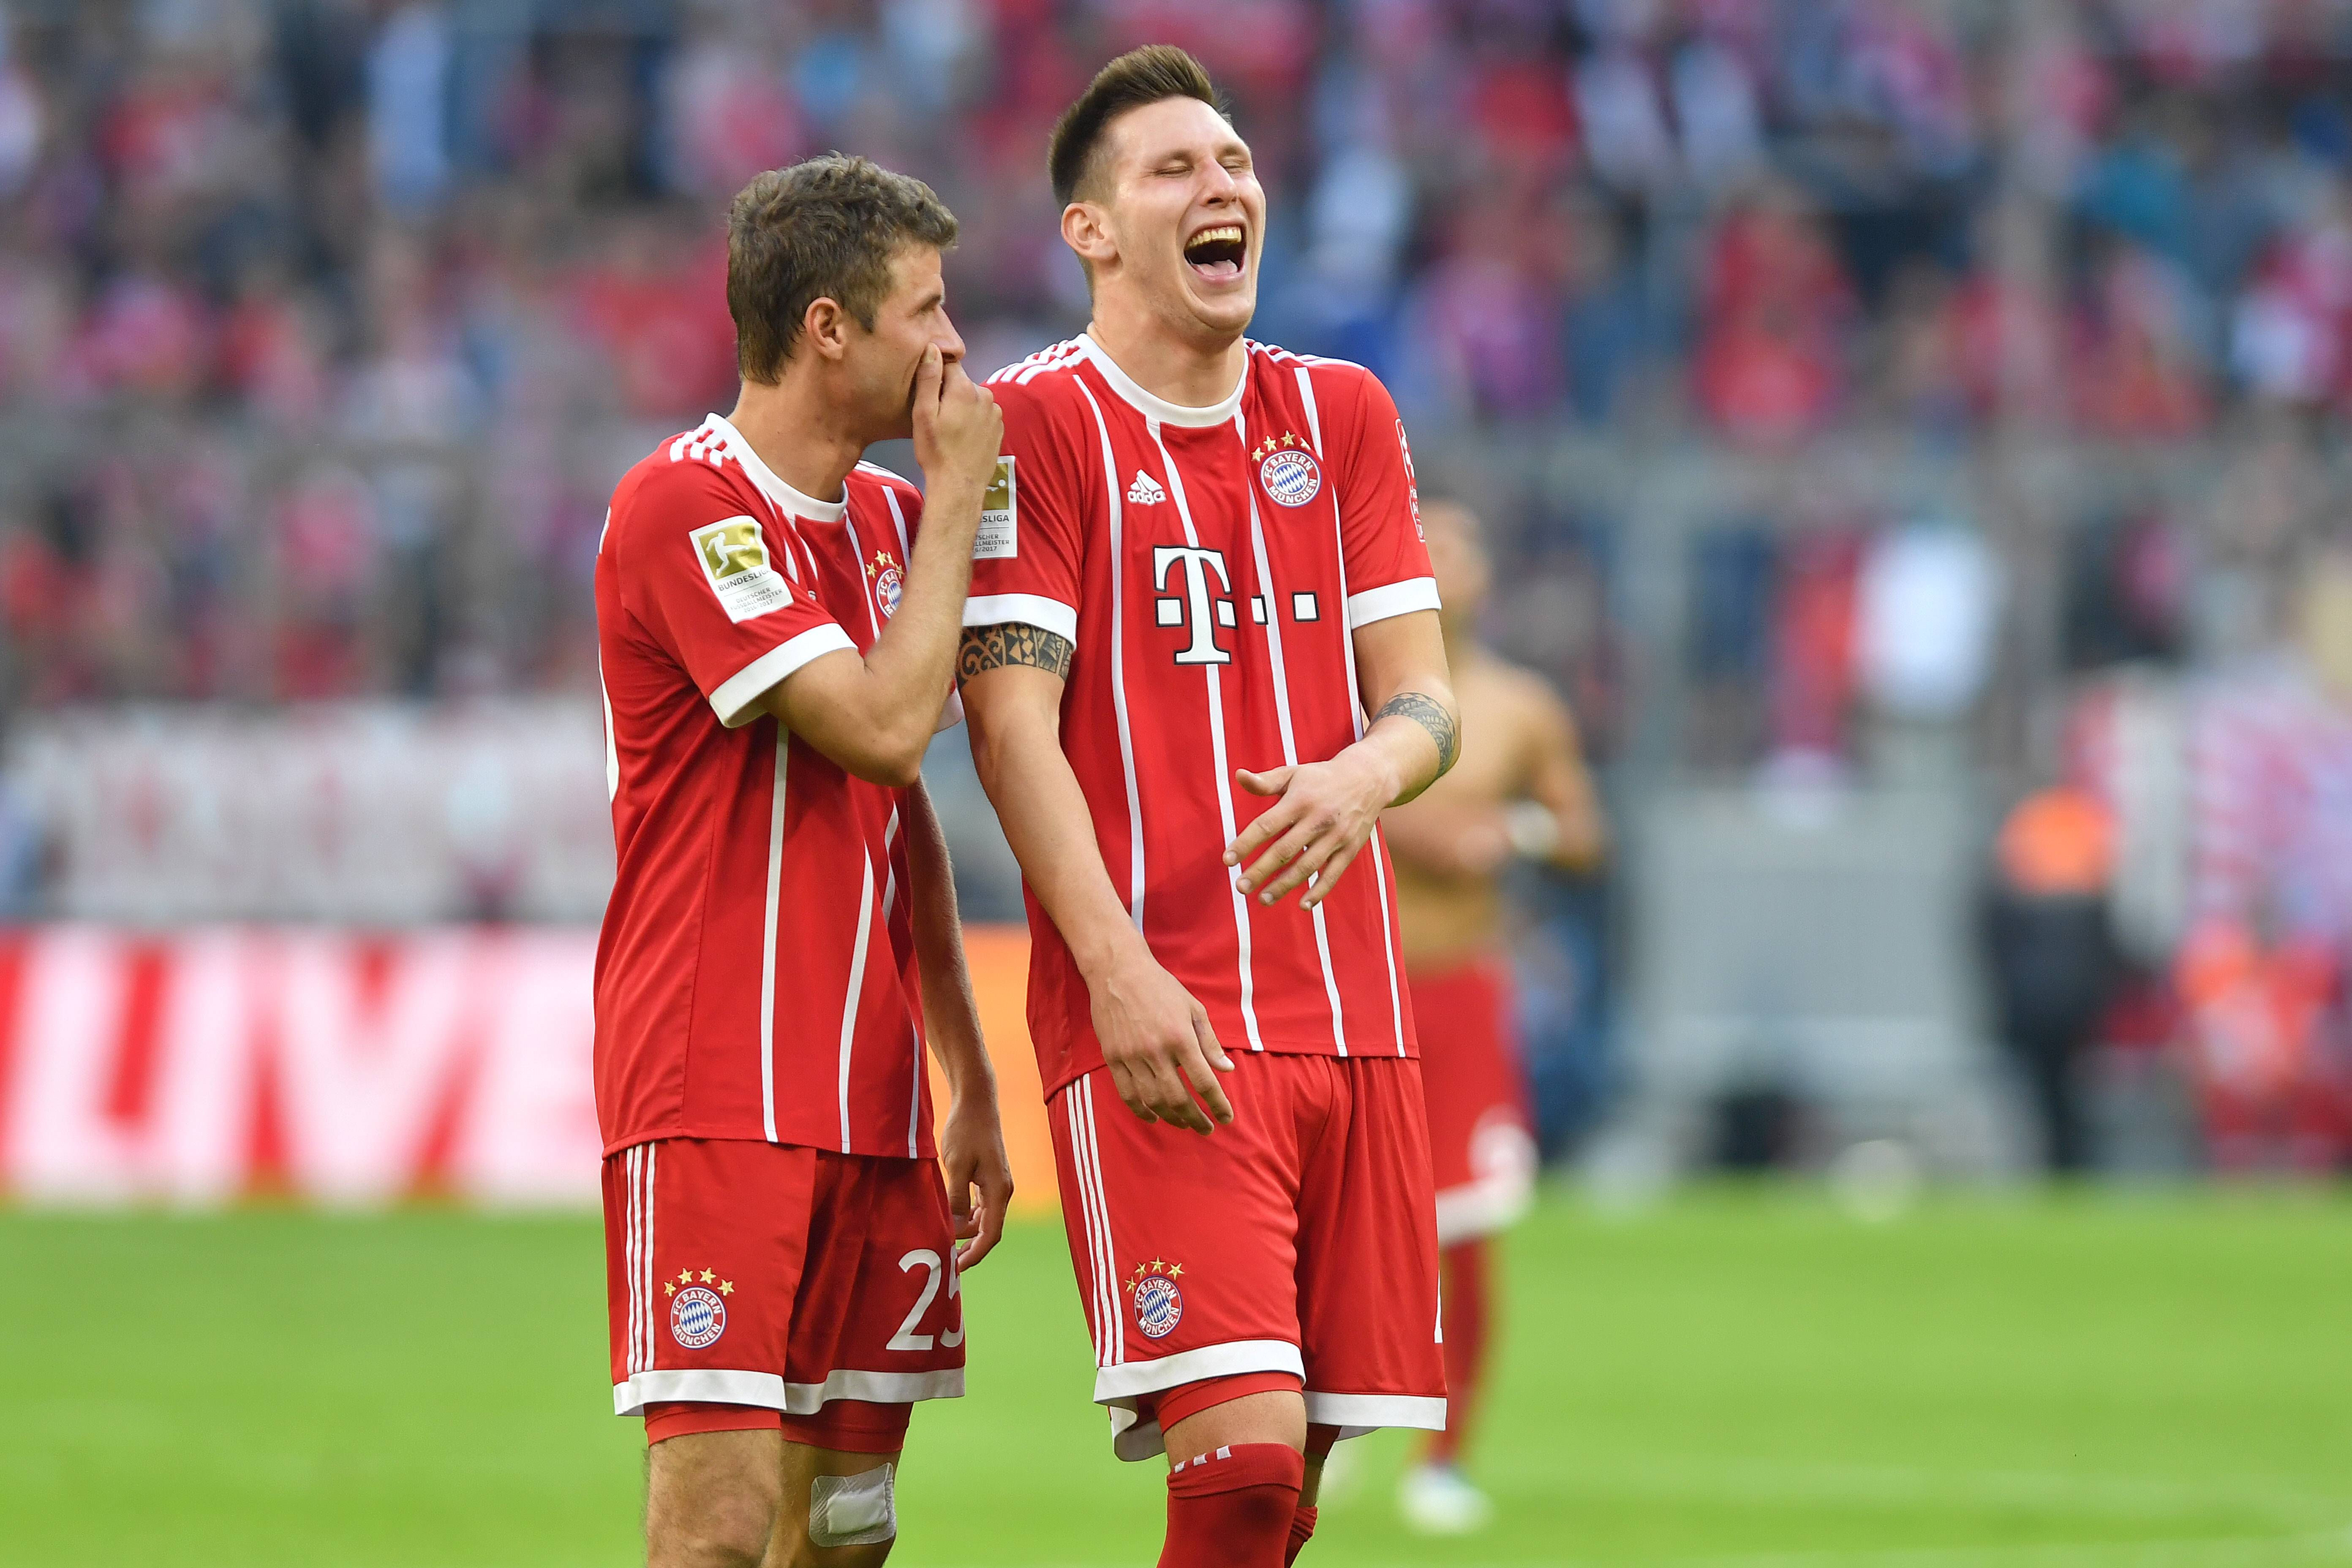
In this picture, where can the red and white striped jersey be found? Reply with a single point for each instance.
(756, 974)
(1209, 566)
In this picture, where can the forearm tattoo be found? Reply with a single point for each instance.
(1432, 716)
(1010, 643)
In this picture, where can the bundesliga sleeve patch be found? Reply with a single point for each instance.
(734, 556)
(1000, 518)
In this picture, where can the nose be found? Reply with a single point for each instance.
(950, 344)
(1219, 183)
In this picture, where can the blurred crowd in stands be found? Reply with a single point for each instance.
(326, 326)
(346, 312)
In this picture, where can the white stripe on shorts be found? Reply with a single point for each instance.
(1092, 1172)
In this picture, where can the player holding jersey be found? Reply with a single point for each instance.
(1199, 571)
(1522, 791)
(775, 626)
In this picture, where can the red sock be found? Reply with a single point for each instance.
(1464, 1267)
(1302, 1527)
(1233, 1508)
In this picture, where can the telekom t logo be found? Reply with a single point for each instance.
(1195, 609)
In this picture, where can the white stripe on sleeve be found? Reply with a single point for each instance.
(1395, 599)
(1029, 609)
(737, 700)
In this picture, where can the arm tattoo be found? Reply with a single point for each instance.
(1009, 642)
(1430, 716)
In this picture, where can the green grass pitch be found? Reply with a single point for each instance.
(1740, 1379)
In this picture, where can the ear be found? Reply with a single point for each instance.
(1086, 229)
(825, 326)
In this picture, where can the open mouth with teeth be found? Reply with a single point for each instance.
(1217, 254)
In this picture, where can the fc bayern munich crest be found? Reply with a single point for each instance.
(1158, 1303)
(697, 1317)
(1288, 472)
(890, 585)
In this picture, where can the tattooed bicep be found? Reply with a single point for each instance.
(1011, 643)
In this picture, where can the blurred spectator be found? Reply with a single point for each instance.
(1770, 366)
(325, 327)
(2049, 945)
(458, 241)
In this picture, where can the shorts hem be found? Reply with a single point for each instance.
(1357, 1414)
(711, 1386)
(1482, 1208)
(1128, 1379)
(1133, 1438)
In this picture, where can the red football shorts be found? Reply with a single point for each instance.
(770, 1285)
(1481, 1136)
(1297, 1240)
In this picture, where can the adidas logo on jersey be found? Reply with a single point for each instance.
(1145, 491)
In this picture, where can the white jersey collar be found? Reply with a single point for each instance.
(774, 489)
(1158, 408)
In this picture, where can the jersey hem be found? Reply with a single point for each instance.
(714, 1386)
(617, 1145)
(1379, 1050)
(737, 698)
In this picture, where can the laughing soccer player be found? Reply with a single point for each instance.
(1202, 655)
(776, 624)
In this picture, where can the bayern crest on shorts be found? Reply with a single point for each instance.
(1288, 472)
(1158, 1303)
(696, 1318)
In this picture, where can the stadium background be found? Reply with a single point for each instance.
(1885, 412)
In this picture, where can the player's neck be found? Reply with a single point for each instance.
(799, 434)
(1192, 372)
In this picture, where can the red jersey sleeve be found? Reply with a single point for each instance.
(1026, 562)
(720, 590)
(1379, 513)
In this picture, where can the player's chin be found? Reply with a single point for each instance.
(1225, 304)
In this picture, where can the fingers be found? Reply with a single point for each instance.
(1196, 1066)
(1130, 1092)
(1208, 1038)
(956, 1170)
(1309, 863)
(1320, 862)
(1273, 782)
(1328, 877)
(1270, 823)
(995, 1201)
(1178, 1107)
(928, 373)
(1285, 850)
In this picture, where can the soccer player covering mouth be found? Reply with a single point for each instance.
(776, 624)
(1523, 793)
(1201, 656)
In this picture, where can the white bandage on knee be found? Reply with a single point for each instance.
(852, 1511)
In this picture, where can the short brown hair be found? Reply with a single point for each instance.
(825, 229)
(1137, 78)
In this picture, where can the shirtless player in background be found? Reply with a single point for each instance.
(1519, 791)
